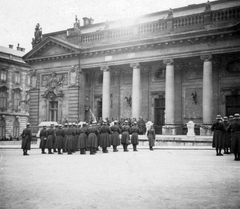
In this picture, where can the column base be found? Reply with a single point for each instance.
(205, 130)
(170, 130)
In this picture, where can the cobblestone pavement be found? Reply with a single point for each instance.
(145, 179)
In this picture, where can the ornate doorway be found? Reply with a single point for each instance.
(159, 116)
(232, 104)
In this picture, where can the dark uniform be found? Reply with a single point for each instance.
(26, 139)
(69, 133)
(105, 137)
(234, 127)
(43, 138)
(82, 139)
(50, 139)
(151, 137)
(218, 136)
(115, 140)
(59, 139)
(92, 142)
(125, 139)
(134, 137)
(227, 137)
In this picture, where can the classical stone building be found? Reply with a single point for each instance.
(169, 67)
(14, 92)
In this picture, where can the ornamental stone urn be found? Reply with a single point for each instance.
(190, 126)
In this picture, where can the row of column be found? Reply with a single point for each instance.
(169, 91)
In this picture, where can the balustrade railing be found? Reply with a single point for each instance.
(159, 27)
(188, 21)
(120, 33)
(152, 27)
(227, 14)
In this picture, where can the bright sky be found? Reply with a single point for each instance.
(19, 17)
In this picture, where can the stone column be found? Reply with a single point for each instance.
(136, 90)
(169, 92)
(207, 89)
(106, 93)
(10, 93)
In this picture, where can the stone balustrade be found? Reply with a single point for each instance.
(175, 25)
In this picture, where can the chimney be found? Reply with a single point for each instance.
(10, 46)
(91, 21)
(85, 21)
(18, 48)
(22, 49)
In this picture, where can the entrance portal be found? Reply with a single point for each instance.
(99, 109)
(159, 109)
(232, 104)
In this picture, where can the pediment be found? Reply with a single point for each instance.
(51, 47)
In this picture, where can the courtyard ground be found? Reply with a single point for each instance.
(162, 178)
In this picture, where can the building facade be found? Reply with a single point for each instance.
(14, 92)
(169, 67)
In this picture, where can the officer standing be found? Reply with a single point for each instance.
(234, 127)
(151, 137)
(115, 140)
(134, 137)
(92, 142)
(26, 139)
(59, 139)
(82, 139)
(227, 140)
(50, 139)
(125, 139)
(105, 137)
(218, 136)
(43, 138)
(69, 133)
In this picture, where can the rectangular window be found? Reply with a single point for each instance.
(17, 78)
(16, 100)
(53, 111)
(3, 98)
(3, 75)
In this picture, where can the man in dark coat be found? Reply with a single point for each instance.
(70, 133)
(115, 140)
(92, 142)
(50, 138)
(82, 139)
(151, 137)
(26, 139)
(43, 138)
(218, 136)
(134, 137)
(125, 139)
(227, 140)
(234, 127)
(59, 139)
(105, 137)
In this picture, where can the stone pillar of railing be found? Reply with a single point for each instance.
(106, 92)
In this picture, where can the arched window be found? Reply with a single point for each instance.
(16, 99)
(16, 128)
(2, 128)
(3, 98)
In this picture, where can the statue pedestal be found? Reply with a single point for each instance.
(169, 130)
(205, 130)
(190, 126)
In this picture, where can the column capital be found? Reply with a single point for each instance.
(206, 57)
(104, 68)
(134, 65)
(169, 61)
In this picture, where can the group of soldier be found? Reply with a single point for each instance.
(72, 137)
(226, 135)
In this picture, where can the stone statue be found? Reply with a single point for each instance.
(73, 75)
(207, 7)
(76, 25)
(37, 35)
(170, 13)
